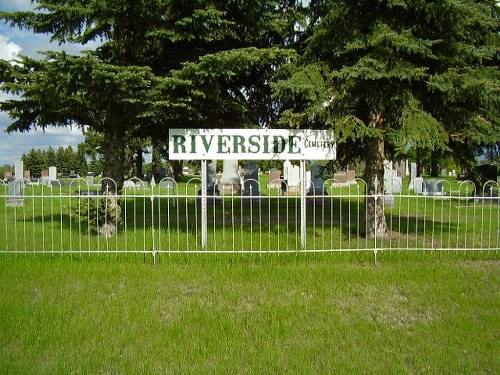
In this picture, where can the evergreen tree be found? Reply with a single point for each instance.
(163, 64)
(389, 74)
(34, 161)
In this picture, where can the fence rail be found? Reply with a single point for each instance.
(72, 217)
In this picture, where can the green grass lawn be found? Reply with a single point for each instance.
(423, 312)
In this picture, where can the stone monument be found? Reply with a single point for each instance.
(230, 183)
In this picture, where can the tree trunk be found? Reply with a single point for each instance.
(176, 166)
(155, 160)
(376, 225)
(138, 164)
(419, 162)
(435, 155)
(114, 156)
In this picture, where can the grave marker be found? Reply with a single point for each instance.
(250, 179)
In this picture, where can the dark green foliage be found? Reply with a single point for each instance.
(65, 159)
(393, 75)
(101, 216)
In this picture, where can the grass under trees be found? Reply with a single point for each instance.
(423, 312)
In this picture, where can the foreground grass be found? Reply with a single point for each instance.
(274, 314)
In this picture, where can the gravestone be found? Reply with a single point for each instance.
(287, 164)
(14, 190)
(418, 185)
(90, 178)
(27, 174)
(317, 187)
(350, 176)
(340, 177)
(52, 173)
(433, 187)
(230, 183)
(293, 182)
(128, 184)
(250, 179)
(413, 175)
(389, 174)
(8, 175)
(212, 188)
(19, 170)
(392, 182)
(274, 179)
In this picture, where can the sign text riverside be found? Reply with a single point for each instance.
(251, 144)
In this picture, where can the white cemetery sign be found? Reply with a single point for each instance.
(251, 144)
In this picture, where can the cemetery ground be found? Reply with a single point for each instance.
(411, 312)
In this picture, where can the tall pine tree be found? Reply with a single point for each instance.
(392, 74)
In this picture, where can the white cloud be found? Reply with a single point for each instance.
(8, 50)
(14, 145)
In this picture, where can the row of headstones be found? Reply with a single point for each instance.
(46, 174)
(233, 180)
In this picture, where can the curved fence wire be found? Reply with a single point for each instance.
(59, 216)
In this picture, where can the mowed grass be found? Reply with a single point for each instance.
(421, 312)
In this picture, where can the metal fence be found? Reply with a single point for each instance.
(59, 216)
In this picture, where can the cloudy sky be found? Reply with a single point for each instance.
(14, 42)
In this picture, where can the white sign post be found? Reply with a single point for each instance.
(251, 144)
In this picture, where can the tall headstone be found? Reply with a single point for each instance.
(350, 176)
(52, 173)
(14, 190)
(230, 182)
(287, 164)
(274, 179)
(212, 188)
(392, 182)
(317, 187)
(418, 185)
(388, 175)
(90, 178)
(250, 179)
(293, 180)
(19, 170)
(413, 175)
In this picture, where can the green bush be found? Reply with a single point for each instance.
(102, 214)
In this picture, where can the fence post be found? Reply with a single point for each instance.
(376, 184)
(204, 204)
(303, 211)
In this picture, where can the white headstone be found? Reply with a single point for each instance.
(286, 168)
(19, 170)
(90, 179)
(418, 185)
(413, 175)
(293, 179)
(230, 182)
(52, 173)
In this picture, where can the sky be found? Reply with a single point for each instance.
(15, 42)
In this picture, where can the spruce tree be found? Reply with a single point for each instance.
(388, 75)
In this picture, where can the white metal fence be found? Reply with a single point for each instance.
(72, 217)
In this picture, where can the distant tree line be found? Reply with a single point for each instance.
(66, 159)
